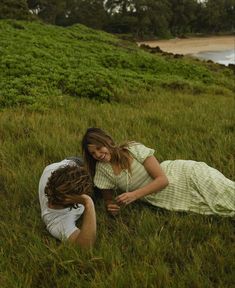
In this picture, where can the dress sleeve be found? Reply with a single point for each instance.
(103, 177)
(140, 152)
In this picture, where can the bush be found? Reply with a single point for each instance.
(40, 61)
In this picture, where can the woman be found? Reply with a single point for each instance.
(64, 189)
(179, 185)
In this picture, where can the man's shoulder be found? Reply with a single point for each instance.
(77, 159)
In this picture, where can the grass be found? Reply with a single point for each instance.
(144, 246)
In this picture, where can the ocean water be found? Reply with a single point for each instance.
(223, 57)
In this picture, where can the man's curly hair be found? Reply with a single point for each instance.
(66, 183)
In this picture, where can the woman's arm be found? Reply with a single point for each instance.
(159, 182)
(110, 204)
(86, 235)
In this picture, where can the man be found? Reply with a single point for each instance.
(64, 190)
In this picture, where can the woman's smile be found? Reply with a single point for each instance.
(101, 154)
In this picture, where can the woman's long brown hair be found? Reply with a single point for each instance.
(120, 154)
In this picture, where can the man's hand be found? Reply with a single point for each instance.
(112, 208)
(80, 199)
(86, 235)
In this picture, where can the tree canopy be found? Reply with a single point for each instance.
(14, 10)
(141, 18)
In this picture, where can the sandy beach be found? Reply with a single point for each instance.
(194, 45)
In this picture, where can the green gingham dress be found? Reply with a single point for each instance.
(193, 186)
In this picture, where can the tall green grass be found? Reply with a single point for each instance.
(143, 246)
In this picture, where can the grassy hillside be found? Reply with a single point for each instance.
(40, 62)
(54, 83)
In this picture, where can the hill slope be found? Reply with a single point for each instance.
(40, 61)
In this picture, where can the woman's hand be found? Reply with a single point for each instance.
(158, 183)
(126, 198)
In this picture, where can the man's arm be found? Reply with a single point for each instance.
(86, 235)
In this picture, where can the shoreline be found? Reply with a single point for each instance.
(193, 46)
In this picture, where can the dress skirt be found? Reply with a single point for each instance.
(196, 187)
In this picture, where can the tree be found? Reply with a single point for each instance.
(159, 14)
(119, 6)
(88, 12)
(143, 18)
(219, 15)
(120, 16)
(184, 15)
(14, 9)
(48, 10)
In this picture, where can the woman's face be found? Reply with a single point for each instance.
(99, 153)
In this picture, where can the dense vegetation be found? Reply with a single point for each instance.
(141, 18)
(54, 83)
(39, 61)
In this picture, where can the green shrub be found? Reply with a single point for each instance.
(41, 61)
